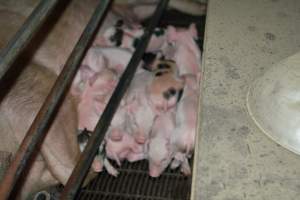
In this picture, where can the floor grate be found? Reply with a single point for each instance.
(134, 183)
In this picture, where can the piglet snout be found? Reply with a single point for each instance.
(154, 170)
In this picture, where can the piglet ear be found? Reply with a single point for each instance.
(193, 31)
(171, 33)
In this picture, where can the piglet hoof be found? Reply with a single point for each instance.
(175, 164)
(186, 170)
(154, 174)
(97, 165)
(114, 172)
(110, 169)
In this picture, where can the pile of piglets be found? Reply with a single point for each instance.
(156, 119)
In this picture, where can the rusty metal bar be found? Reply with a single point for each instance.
(24, 35)
(37, 131)
(80, 171)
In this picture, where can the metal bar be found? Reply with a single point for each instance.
(24, 35)
(38, 129)
(80, 171)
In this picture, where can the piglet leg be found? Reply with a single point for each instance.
(185, 167)
(110, 169)
(175, 164)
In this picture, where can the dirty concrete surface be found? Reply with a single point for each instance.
(234, 160)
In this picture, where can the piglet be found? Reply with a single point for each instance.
(83, 138)
(140, 112)
(157, 40)
(100, 159)
(80, 81)
(120, 144)
(160, 151)
(93, 62)
(94, 98)
(95, 59)
(160, 64)
(181, 47)
(148, 96)
(121, 36)
(128, 38)
(164, 91)
(141, 117)
(186, 120)
(117, 58)
(123, 148)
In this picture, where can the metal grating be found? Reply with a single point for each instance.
(134, 183)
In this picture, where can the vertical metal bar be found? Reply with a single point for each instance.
(86, 159)
(38, 129)
(24, 35)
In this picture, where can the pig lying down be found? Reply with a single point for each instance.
(60, 151)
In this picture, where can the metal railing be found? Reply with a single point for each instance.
(45, 116)
(37, 130)
(24, 35)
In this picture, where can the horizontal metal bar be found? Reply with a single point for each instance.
(38, 129)
(24, 35)
(86, 159)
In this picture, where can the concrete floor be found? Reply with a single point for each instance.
(234, 160)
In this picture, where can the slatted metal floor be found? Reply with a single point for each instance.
(134, 183)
